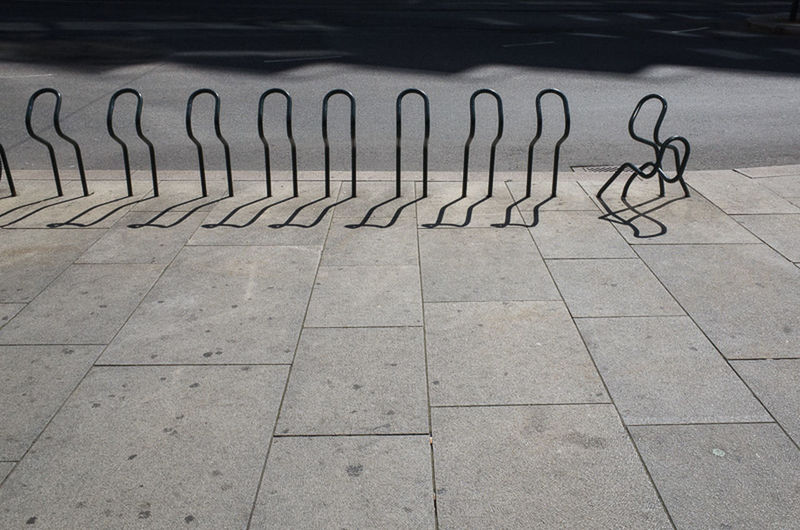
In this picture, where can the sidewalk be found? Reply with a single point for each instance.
(297, 363)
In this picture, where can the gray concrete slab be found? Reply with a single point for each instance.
(376, 199)
(718, 476)
(770, 171)
(787, 187)
(737, 194)
(7, 312)
(31, 259)
(664, 370)
(182, 196)
(483, 264)
(444, 207)
(611, 288)
(221, 305)
(568, 466)
(745, 298)
(774, 381)
(87, 304)
(578, 235)
(150, 445)
(347, 482)
(357, 381)
(366, 296)
(781, 232)
(5, 469)
(349, 245)
(569, 197)
(36, 380)
(493, 353)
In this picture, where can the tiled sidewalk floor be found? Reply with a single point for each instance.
(294, 363)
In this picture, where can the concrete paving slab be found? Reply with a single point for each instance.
(347, 482)
(611, 288)
(31, 259)
(5, 469)
(570, 197)
(774, 381)
(745, 298)
(787, 187)
(87, 304)
(36, 380)
(366, 296)
(723, 476)
(489, 353)
(8, 311)
(31, 195)
(578, 235)
(568, 466)
(182, 196)
(150, 445)
(781, 232)
(664, 370)
(378, 200)
(444, 207)
(221, 305)
(357, 381)
(367, 245)
(770, 171)
(483, 264)
(737, 194)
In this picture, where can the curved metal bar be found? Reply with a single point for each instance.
(125, 158)
(218, 132)
(4, 165)
(499, 101)
(57, 127)
(352, 140)
(399, 116)
(655, 143)
(288, 133)
(557, 150)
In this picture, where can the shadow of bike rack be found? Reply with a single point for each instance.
(399, 116)
(138, 122)
(218, 132)
(289, 134)
(57, 127)
(5, 167)
(557, 149)
(352, 140)
(472, 99)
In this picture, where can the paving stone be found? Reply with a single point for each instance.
(781, 232)
(746, 298)
(366, 296)
(736, 194)
(483, 353)
(87, 304)
(5, 469)
(570, 197)
(154, 443)
(378, 200)
(786, 187)
(561, 466)
(482, 265)
(31, 259)
(611, 288)
(771, 171)
(578, 235)
(775, 384)
(365, 245)
(664, 370)
(7, 312)
(347, 482)
(444, 207)
(221, 305)
(182, 196)
(357, 381)
(723, 476)
(36, 380)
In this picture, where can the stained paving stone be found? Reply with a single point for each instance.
(87, 304)
(36, 380)
(347, 482)
(736, 194)
(781, 232)
(483, 353)
(723, 476)
(774, 381)
(349, 244)
(745, 298)
(570, 196)
(483, 264)
(578, 235)
(611, 288)
(444, 207)
(5, 469)
(357, 381)
(135, 443)
(7, 312)
(366, 296)
(787, 187)
(221, 305)
(664, 370)
(565, 466)
(771, 171)
(376, 202)
(31, 259)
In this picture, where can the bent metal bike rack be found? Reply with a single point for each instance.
(352, 140)
(499, 135)
(399, 116)
(138, 121)
(218, 132)
(4, 166)
(57, 127)
(268, 175)
(557, 149)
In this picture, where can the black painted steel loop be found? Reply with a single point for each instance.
(499, 135)
(218, 132)
(139, 132)
(352, 140)
(399, 116)
(5, 167)
(288, 134)
(557, 149)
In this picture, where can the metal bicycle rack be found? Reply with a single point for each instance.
(218, 132)
(261, 101)
(4, 166)
(557, 149)
(352, 140)
(57, 127)
(399, 116)
(125, 157)
(499, 101)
